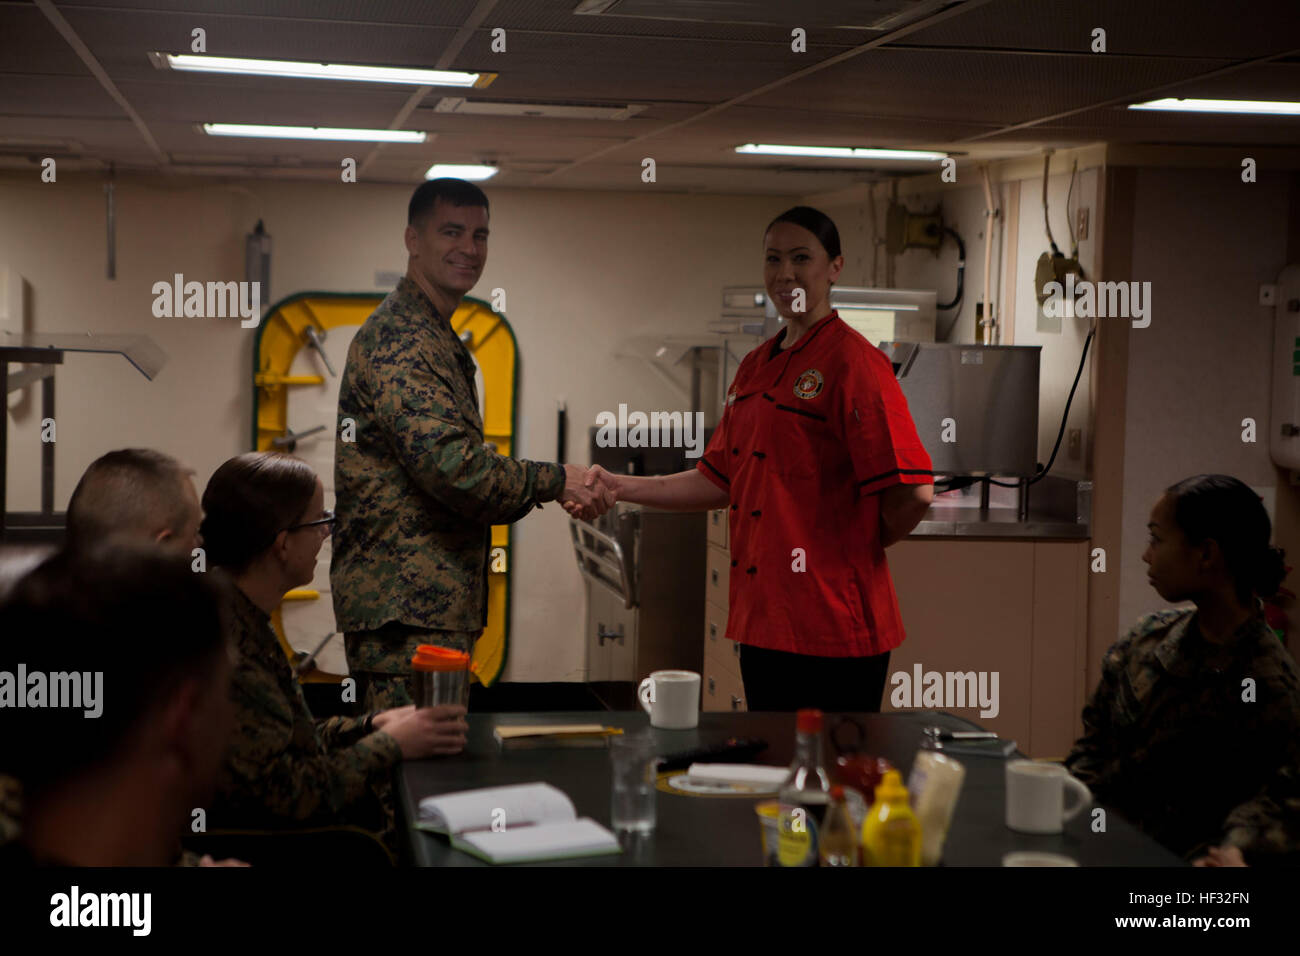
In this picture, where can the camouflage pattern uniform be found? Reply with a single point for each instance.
(1170, 743)
(416, 495)
(11, 808)
(284, 767)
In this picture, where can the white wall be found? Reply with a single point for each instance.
(581, 272)
(1205, 241)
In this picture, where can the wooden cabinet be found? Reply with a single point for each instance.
(1014, 607)
(1017, 608)
(723, 687)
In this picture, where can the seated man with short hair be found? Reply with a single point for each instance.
(133, 493)
(121, 655)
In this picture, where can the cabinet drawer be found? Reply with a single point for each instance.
(715, 627)
(718, 527)
(721, 655)
(716, 576)
(723, 690)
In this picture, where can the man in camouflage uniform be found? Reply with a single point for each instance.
(1177, 741)
(418, 491)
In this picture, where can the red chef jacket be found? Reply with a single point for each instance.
(809, 437)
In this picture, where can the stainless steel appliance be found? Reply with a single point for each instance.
(985, 397)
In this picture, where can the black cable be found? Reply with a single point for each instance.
(961, 268)
(961, 272)
(1064, 418)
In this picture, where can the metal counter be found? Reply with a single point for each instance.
(1058, 508)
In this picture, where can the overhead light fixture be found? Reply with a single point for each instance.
(459, 104)
(473, 173)
(1264, 107)
(319, 71)
(315, 132)
(840, 152)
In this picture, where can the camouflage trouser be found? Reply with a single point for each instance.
(380, 660)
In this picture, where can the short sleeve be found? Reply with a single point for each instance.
(877, 428)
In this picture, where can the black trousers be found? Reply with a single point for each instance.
(779, 680)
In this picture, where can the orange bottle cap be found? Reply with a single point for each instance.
(431, 658)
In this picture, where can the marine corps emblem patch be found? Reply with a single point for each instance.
(809, 384)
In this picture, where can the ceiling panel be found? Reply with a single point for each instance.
(960, 85)
(30, 44)
(430, 12)
(761, 21)
(625, 70)
(238, 101)
(55, 96)
(1206, 29)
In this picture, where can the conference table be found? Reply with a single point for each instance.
(696, 830)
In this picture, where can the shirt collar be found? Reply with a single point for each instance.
(410, 289)
(1184, 650)
(804, 339)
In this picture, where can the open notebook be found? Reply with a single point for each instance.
(520, 823)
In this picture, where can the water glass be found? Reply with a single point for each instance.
(635, 766)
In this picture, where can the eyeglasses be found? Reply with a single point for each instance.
(326, 524)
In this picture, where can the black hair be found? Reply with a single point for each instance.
(1225, 509)
(458, 192)
(248, 501)
(130, 611)
(816, 222)
(126, 491)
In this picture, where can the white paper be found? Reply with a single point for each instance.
(754, 774)
(551, 841)
(513, 806)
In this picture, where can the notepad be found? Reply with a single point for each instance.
(520, 823)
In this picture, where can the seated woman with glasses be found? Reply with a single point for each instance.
(264, 525)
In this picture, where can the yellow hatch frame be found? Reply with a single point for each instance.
(280, 337)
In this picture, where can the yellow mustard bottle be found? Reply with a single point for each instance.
(891, 834)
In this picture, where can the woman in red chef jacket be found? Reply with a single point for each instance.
(820, 464)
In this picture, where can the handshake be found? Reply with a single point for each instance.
(588, 492)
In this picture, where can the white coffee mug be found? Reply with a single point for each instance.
(672, 699)
(1036, 796)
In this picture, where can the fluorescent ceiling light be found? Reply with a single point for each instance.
(315, 132)
(1275, 108)
(840, 152)
(319, 71)
(473, 173)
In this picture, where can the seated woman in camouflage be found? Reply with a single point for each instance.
(1194, 730)
(264, 525)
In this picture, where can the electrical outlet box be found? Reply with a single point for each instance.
(1267, 294)
(1081, 223)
